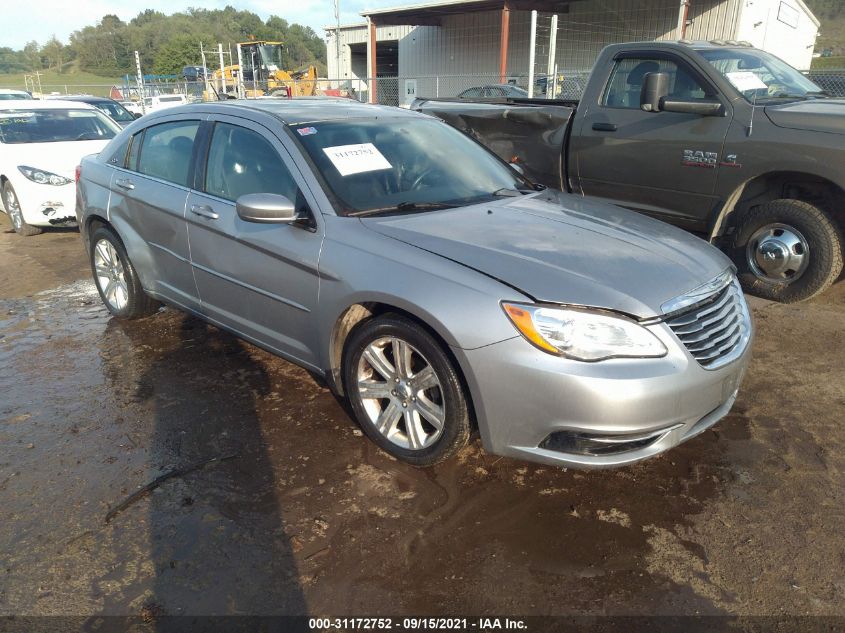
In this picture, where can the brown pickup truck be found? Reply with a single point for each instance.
(720, 138)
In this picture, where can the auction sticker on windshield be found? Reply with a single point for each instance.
(356, 159)
(745, 80)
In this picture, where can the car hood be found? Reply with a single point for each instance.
(817, 115)
(563, 248)
(58, 158)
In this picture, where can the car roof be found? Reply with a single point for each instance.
(46, 104)
(13, 91)
(306, 109)
(85, 98)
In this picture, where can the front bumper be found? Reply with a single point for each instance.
(46, 205)
(535, 406)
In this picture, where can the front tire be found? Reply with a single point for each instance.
(13, 210)
(116, 278)
(787, 250)
(404, 390)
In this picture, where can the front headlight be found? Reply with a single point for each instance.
(583, 335)
(43, 177)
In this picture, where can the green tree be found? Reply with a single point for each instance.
(181, 51)
(53, 53)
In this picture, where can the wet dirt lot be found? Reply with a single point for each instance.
(301, 514)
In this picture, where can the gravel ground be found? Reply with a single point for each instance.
(301, 514)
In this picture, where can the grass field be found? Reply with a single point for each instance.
(65, 83)
(821, 63)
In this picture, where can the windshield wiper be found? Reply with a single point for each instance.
(406, 207)
(507, 192)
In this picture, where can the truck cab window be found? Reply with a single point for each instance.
(626, 82)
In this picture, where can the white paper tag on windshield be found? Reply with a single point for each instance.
(745, 80)
(356, 159)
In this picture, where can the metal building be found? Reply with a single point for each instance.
(440, 48)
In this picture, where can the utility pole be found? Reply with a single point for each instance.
(532, 46)
(337, 36)
(241, 91)
(222, 67)
(683, 16)
(207, 92)
(551, 69)
(140, 79)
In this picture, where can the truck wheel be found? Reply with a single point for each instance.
(13, 209)
(787, 250)
(404, 391)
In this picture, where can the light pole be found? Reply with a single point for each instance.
(337, 36)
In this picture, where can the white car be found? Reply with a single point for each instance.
(41, 143)
(133, 106)
(7, 94)
(154, 104)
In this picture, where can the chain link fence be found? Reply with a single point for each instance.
(395, 91)
(832, 81)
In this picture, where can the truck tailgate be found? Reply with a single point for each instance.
(534, 135)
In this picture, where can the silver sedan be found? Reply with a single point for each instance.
(427, 281)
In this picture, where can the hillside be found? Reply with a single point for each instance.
(166, 43)
(831, 14)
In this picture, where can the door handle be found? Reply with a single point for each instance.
(604, 127)
(125, 183)
(205, 211)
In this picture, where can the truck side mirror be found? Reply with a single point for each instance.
(655, 88)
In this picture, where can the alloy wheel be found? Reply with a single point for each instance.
(401, 393)
(111, 275)
(14, 209)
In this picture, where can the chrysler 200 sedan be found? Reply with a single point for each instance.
(427, 281)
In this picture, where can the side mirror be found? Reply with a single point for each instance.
(137, 115)
(517, 168)
(654, 90)
(266, 208)
(702, 107)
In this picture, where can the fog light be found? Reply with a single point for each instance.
(580, 443)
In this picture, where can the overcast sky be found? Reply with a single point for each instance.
(41, 19)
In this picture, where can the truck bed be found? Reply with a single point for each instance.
(530, 132)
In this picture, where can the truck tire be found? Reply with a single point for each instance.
(786, 250)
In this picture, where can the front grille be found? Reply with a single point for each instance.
(714, 330)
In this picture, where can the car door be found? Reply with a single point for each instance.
(258, 279)
(149, 192)
(663, 163)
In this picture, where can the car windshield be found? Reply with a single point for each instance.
(116, 111)
(404, 164)
(55, 125)
(14, 96)
(760, 76)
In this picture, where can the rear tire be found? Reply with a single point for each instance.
(13, 210)
(787, 250)
(415, 409)
(116, 279)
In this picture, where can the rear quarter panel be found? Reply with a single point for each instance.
(93, 194)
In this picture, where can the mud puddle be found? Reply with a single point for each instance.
(308, 516)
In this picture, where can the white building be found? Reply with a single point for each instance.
(447, 45)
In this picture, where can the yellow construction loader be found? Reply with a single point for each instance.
(262, 74)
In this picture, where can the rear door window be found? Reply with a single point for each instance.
(241, 161)
(166, 151)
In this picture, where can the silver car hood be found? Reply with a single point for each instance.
(563, 248)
